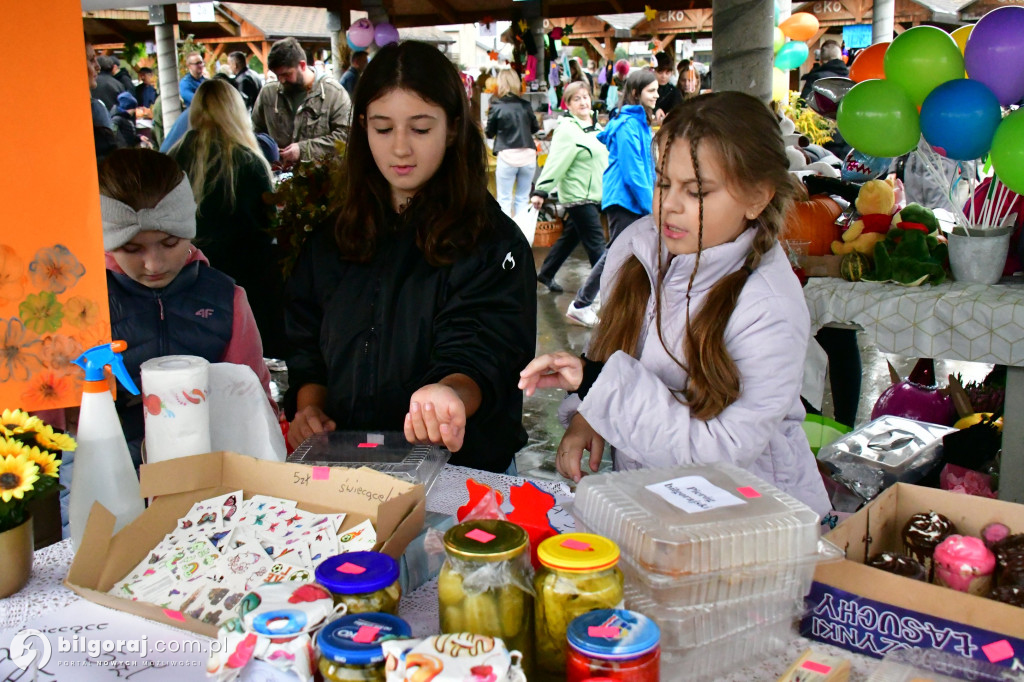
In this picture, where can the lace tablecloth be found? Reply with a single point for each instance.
(45, 592)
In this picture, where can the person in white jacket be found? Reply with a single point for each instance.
(699, 354)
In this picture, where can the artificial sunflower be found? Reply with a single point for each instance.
(47, 462)
(48, 439)
(16, 421)
(9, 447)
(17, 476)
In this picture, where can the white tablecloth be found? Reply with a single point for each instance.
(45, 592)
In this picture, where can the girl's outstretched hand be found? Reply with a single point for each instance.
(436, 416)
(578, 437)
(552, 370)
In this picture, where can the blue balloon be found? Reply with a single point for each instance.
(791, 55)
(961, 116)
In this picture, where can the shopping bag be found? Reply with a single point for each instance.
(527, 222)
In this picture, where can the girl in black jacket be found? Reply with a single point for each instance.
(417, 310)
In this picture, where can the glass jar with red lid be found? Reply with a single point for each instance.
(613, 644)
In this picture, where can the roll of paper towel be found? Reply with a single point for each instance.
(176, 404)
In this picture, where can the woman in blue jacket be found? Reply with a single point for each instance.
(629, 179)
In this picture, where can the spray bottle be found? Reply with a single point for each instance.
(103, 471)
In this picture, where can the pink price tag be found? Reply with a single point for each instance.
(174, 615)
(368, 445)
(816, 667)
(747, 491)
(606, 631)
(321, 473)
(366, 634)
(351, 569)
(480, 535)
(577, 545)
(998, 651)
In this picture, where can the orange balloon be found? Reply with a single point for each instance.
(800, 26)
(869, 63)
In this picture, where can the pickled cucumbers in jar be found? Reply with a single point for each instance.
(339, 672)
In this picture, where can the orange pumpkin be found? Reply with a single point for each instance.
(814, 220)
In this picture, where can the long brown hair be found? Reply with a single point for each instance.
(747, 141)
(451, 209)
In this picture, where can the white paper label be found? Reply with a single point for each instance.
(694, 494)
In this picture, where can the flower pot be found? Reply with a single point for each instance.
(16, 548)
(979, 254)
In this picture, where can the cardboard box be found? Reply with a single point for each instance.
(396, 509)
(873, 612)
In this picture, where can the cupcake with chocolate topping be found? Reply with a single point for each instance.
(922, 535)
(899, 564)
(1009, 594)
(965, 564)
(1009, 559)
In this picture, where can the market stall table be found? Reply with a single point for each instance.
(45, 592)
(953, 321)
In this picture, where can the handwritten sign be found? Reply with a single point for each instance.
(694, 494)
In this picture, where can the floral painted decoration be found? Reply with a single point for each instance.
(29, 463)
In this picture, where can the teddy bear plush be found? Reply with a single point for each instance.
(875, 202)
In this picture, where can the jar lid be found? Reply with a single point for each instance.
(357, 572)
(485, 540)
(578, 552)
(337, 640)
(285, 609)
(613, 634)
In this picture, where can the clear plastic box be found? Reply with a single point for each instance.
(908, 665)
(714, 659)
(692, 626)
(761, 524)
(388, 452)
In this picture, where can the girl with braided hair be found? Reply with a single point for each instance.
(698, 357)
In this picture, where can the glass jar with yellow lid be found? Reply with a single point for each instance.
(579, 573)
(486, 584)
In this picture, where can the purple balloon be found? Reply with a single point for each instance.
(385, 34)
(995, 53)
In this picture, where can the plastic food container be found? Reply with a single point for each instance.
(613, 644)
(349, 647)
(366, 582)
(578, 574)
(485, 586)
(696, 519)
(714, 659)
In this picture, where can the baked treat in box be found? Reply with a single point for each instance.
(900, 564)
(965, 564)
(922, 535)
(1009, 594)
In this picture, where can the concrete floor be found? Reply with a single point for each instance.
(555, 332)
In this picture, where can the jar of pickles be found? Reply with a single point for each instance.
(366, 582)
(485, 586)
(613, 644)
(579, 573)
(349, 648)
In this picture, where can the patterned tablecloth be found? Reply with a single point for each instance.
(45, 592)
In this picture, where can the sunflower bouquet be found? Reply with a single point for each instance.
(29, 466)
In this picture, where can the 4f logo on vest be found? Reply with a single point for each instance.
(204, 313)
(509, 262)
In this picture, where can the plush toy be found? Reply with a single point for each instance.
(916, 217)
(910, 257)
(875, 203)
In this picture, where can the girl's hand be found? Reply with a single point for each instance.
(537, 201)
(552, 370)
(309, 420)
(578, 437)
(437, 416)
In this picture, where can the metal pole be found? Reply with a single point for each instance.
(883, 18)
(163, 18)
(334, 26)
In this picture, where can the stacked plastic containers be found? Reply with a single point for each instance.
(720, 559)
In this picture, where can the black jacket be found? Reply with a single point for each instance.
(668, 97)
(834, 68)
(107, 89)
(124, 126)
(249, 86)
(512, 123)
(374, 333)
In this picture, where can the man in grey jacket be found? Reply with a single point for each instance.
(304, 113)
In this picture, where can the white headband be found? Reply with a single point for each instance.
(175, 215)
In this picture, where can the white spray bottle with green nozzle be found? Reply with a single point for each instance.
(103, 470)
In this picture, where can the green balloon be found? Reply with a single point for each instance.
(877, 118)
(780, 39)
(922, 58)
(1008, 151)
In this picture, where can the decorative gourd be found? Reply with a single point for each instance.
(916, 397)
(854, 265)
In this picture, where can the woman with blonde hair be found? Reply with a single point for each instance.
(511, 123)
(229, 176)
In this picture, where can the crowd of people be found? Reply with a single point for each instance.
(414, 308)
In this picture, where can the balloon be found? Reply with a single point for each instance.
(878, 118)
(556, 33)
(1008, 151)
(385, 34)
(961, 116)
(961, 35)
(868, 63)
(776, 14)
(780, 84)
(995, 53)
(800, 26)
(791, 55)
(360, 33)
(861, 167)
(780, 39)
(922, 58)
(827, 93)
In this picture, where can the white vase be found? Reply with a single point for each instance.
(979, 254)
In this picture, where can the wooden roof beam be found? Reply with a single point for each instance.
(444, 9)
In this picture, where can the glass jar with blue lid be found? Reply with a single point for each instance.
(615, 644)
(366, 582)
(350, 649)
